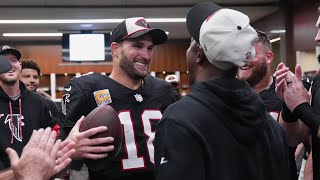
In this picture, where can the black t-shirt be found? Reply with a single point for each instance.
(139, 112)
(271, 101)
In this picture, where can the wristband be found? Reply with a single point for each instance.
(287, 115)
(305, 113)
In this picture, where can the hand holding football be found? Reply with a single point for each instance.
(104, 115)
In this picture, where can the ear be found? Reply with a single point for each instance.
(200, 56)
(269, 57)
(114, 49)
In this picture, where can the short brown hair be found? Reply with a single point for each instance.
(264, 39)
(30, 64)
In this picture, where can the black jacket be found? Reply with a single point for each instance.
(221, 130)
(16, 130)
(55, 110)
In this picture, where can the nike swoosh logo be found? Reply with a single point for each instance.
(68, 89)
(163, 160)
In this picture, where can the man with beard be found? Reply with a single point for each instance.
(224, 131)
(21, 111)
(139, 99)
(258, 74)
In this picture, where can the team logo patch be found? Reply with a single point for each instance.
(138, 97)
(14, 125)
(248, 56)
(102, 97)
(142, 23)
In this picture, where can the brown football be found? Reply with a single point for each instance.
(104, 115)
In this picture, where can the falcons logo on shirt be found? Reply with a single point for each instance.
(15, 125)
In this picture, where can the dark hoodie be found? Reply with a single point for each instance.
(221, 130)
(14, 132)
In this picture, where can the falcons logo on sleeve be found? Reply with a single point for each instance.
(65, 99)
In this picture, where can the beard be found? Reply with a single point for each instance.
(257, 74)
(128, 66)
(8, 81)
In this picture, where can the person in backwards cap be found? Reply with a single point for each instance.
(21, 111)
(224, 131)
(137, 97)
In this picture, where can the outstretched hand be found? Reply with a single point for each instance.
(42, 157)
(281, 73)
(86, 147)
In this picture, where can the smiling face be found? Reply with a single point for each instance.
(259, 68)
(12, 76)
(135, 56)
(30, 78)
(254, 71)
